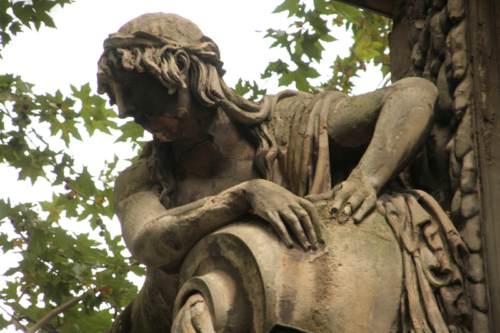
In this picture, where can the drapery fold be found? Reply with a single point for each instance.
(435, 262)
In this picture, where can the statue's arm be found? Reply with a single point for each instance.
(396, 121)
(159, 237)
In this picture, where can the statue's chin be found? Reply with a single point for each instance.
(165, 128)
(166, 136)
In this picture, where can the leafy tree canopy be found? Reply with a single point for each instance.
(66, 282)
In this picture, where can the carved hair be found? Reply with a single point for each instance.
(165, 66)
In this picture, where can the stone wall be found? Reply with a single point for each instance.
(430, 40)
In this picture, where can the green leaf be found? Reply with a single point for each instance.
(84, 183)
(15, 28)
(53, 208)
(350, 13)
(241, 89)
(30, 168)
(130, 131)
(3, 322)
(94, 112)
(292, 6)
(312, 47)
(277, 67)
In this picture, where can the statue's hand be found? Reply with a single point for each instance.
(352, 198)
(280, 207)
(194, 316)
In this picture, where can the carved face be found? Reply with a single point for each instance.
(168, 116)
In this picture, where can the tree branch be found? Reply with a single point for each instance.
(45, 320)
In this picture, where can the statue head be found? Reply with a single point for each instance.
(174, 51)
(166, 46)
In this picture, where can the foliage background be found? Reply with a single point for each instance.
(90, 272)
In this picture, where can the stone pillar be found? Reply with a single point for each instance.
(455, 44)
(484, 36)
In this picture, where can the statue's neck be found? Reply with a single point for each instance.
(210, 151)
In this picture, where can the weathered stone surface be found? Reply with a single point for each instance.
(447, 59)
(459, 65)
(456, 205)
(420, 24)
(427, 74)
(409, 11)
(463, 141)
(438, 37)
(435, 67)
(478, 296)
(443, 108)
(456, 10)
(454, 184)
(470, 205)
(419, 9)
(417, 58)
(476, 268)
(459, 105)
(481, 322)
(433, 11)
(415, 32)
(439, 3)
(444, 21)
(299, 283)
(457, 37)
(469, 172)
(423, 40)
(471, 233)
(455, 165)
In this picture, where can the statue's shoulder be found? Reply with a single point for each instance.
(290, 104)
(290, 100)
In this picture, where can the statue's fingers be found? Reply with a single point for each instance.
(318, 197)
(276, 222)
(294, 224)
(201, 318)
(310, 221)
(324, 196)
(339, 201)
(350, 207)
(365, 208)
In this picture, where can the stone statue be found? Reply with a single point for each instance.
(284, 212)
